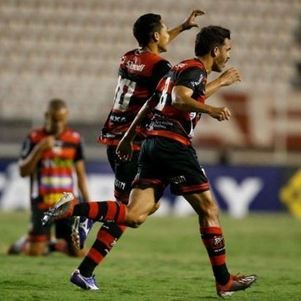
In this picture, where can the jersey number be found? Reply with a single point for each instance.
(124, 91)
(164, 95)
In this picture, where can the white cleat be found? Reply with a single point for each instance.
(58, 209)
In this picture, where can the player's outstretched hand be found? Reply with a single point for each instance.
(220, 113)
(230, 76)
(124, 149)
(191, 20)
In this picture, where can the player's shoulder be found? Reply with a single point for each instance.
(143, 56)
(36, 134)
(71, 135)
(190, 63)
(155, 58)
(129, 53)
(143, 63)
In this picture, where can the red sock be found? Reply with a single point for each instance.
(214, 242)
(107, 236)
(108, 211)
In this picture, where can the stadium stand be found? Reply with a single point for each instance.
(71, 48)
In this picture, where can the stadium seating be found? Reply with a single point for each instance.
(71, 48)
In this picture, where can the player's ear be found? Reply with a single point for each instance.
(156, 36)
(215, 51)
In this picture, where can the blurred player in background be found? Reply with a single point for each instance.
(168, 158)
(139, 73)
(51, 155)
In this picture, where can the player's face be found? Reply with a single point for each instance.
(222, 56)
(163, 38)
(56, 121)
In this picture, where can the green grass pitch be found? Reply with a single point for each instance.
(163, 260)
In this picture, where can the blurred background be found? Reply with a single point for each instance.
(70, 49)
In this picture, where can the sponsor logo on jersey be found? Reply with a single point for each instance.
(118, 118)
(180, 66)
(197, 83)
(135, 67)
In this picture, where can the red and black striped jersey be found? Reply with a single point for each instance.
(54, 173)
(139, 73)
(168, 121)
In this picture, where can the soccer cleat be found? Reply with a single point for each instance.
(80, 230)
(86, 283)
(60, 209)
(19, 246)
(235, 283)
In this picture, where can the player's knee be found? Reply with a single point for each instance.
(135, 221)
(155, 208)
(37, 249)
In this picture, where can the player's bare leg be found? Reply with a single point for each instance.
(213, 239)
(142, 203)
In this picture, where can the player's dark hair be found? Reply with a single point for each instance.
(145, 26)
(210, 37)
(56, 104)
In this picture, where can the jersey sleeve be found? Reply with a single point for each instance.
(26, 148)
(159, 70)
(79, 155)
(191, 78)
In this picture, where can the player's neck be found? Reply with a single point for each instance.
(207, 62)
(152, 47)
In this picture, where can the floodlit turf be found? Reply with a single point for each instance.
(163, 260)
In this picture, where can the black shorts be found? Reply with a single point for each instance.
(125, 173)
(39, 233)
(164, 161)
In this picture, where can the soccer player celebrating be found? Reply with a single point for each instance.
(139, 73)
(168, 158)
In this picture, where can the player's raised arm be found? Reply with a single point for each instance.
(182, 100)
(227, 78)
(187, 24)
(124, 148)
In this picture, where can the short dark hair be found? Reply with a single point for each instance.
(145, 26)
(56, 104)
(210, 37)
